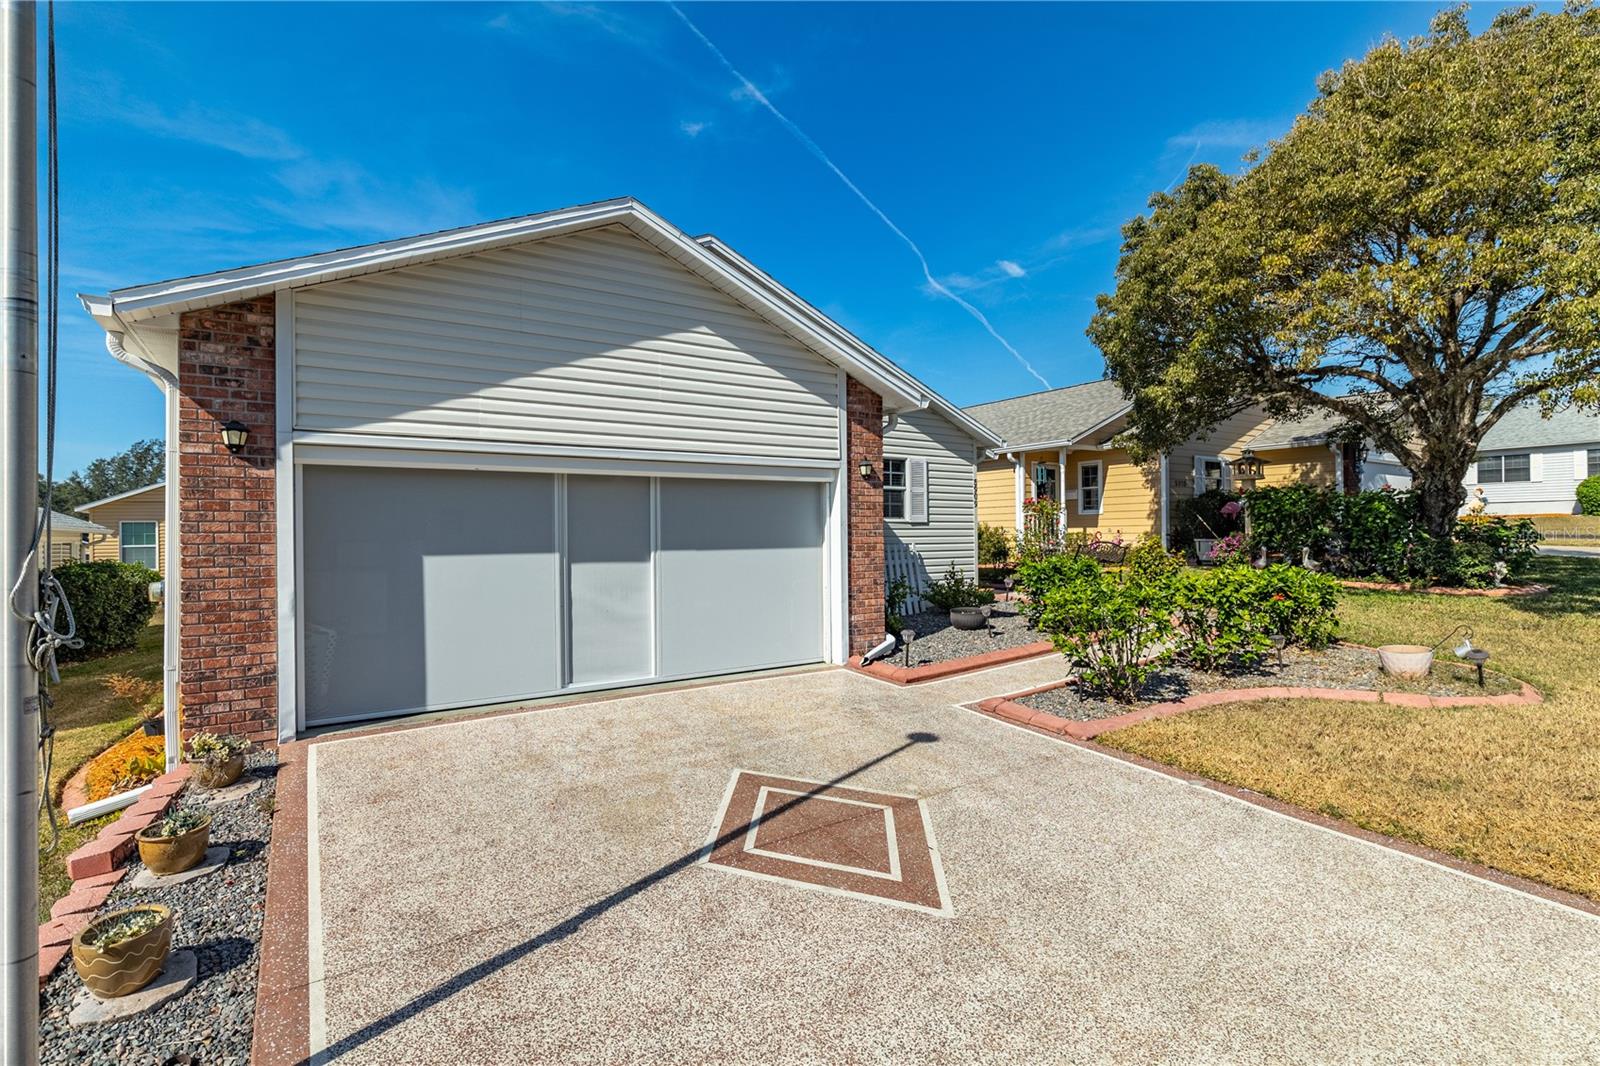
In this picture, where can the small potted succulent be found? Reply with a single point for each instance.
(121, 952)
(217, 761)
(176, 843)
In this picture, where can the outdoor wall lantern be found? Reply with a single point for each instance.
(234, 435)
(866, 468)
(1247, 469)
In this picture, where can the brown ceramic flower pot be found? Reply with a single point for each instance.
(172, 855)
(208, 776)
(117, 969)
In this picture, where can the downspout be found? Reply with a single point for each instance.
(1165, 488)
(171, 579)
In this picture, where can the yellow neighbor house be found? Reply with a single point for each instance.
(136, 522)
(1060, 446)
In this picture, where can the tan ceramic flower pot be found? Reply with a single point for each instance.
(118, 969)
(207, 776)
(1406, 660)
(173, 855)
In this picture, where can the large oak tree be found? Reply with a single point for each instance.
(1418, 254)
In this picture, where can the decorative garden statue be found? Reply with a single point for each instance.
(1479, 502)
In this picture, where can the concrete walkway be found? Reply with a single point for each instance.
(527, 888)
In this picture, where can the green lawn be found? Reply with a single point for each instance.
(88, 721)
(1517, 788)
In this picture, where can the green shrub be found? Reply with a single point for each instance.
(1286, 518)
(994, 545)
(1589, 495)
(1220, 616)
(110, 604)
(1299, 604)
(1037, 579)
(1114, 628)
(1040, 535)
(1486, 550)
(1149, 561)
(1377, 533)
(956, 589)
(894, 602)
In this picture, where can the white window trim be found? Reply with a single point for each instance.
(154, 546)
(1099, 486)
(1225, 480)
(904, 488)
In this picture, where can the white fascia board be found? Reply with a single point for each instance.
(121, 496)
(125, 309)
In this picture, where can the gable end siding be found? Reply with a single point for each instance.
(950, 535)
(593, 342)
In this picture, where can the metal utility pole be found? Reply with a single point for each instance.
(19, 469)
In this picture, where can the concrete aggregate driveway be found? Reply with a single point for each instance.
(526, 888)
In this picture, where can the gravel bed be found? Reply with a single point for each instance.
(938, 641)
(218, 917)
(1340, 666)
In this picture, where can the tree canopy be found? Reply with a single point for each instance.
(144, 463)
(1418, 254)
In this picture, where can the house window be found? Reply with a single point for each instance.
(1211, 474)
(1089, 487)
(1046, 482)
(1496, 469)
(894, 488)
(1594, 461)
(138, 541)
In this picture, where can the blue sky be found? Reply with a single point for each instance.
(1008, 142)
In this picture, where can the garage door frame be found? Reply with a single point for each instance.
(302, 450)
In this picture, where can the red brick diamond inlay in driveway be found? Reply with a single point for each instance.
(852, 842)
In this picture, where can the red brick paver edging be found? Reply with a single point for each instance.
(1007, 707)
(96, 867)
(1442, 590)
(904, 675)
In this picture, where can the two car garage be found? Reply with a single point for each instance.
(426, 589)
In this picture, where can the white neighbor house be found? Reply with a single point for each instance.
(1528, 464)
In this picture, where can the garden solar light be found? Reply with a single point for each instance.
(234, 435)
(906, 637)
(1477, 657)
(1278, 641)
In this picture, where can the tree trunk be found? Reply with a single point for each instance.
(1441, 491)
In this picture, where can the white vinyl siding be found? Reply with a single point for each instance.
(949, 533)
(1548, 486)
(590, 343)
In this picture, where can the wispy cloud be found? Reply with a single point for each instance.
(811, 146)
(1010, 269)
(241, 135)
(693, 129)
(1235, 133)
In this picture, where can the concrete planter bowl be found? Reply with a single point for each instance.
(969, 617)
(124, 967)
(207, 776)
(166, 856)
(1406, 660)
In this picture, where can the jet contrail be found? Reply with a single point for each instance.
(812, 146)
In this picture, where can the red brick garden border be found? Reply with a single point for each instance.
(1007, 707)
(98, 866)
(910, 675)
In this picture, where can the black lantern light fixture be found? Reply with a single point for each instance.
(865, 468)
(235, 434)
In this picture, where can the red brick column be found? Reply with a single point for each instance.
(228, 647)
(865, 409)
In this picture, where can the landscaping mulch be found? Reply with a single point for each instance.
(218, 918)
(938, 641)
(1339, 666)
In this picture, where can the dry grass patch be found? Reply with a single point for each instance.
(1516, 788)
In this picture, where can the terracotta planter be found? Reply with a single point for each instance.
(1406, 660)
(173, 855)
(118, 969)
(207, 776)
(968, 617)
